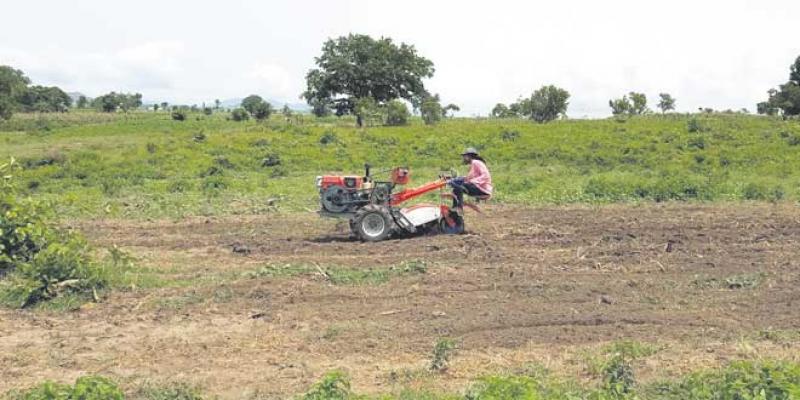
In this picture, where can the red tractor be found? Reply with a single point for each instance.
(373, 207)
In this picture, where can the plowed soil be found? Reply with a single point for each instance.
(707, 283)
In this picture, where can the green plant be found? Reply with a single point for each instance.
(179, 115)
(38, 261)
(85, 388)
(334, 386)
(443, 351)
(240, 114)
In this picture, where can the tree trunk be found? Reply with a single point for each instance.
(359, 121)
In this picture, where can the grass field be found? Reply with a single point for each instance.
(146, 165)
(653, 258)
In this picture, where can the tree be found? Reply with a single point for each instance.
(216, 104)
(261, 111)
(450, 109)
(431, 110)
(638, 103)
(13, 82)
(620, 106)
(355, 67)
(546, 104)
(397, 113)
(164, 106)
(501, 110)
(44, 99)
(286, 111)
(155, 107)
(208, 110)
(240, 114)
(251, 102)
(320, 109)
(786, 99)
(667, 102)
(82, 102)
(114, 101)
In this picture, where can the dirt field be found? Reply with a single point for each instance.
(525, 285)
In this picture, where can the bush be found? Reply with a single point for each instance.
(179, 115)
(334, 386)
(39, 262)
(397, 113)
(240, 114)
(262, 111)
(85, 388)
(740, 380)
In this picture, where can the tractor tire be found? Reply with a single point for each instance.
(373, 223)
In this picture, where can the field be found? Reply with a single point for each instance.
(669, 239)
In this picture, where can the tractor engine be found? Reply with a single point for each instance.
(342, 194)
(346, 194)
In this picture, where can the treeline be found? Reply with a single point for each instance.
(16, 93)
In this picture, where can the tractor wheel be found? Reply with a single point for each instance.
(456, 229)
(373, 223)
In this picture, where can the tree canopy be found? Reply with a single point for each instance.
(111, 102)
(13, 83)
(354, 67)
(786, 99)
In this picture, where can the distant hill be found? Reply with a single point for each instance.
(75, 96)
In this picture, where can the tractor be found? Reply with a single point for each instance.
(373, 207)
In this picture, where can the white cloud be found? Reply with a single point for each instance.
(710, 53)
(272, 80)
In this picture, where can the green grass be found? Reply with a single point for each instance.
(147, 165)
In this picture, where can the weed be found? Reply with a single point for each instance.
(443, 351)
(334, 386)
(85, 388)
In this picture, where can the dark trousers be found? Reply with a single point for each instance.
(460, 188)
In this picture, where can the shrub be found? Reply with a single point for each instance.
(334, 386)
(240, 114)
(38, 261)
(397, 113)
(179, 115)
(442, 352)
(740, 380)
(85, 388)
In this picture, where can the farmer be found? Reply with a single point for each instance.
(478, 181)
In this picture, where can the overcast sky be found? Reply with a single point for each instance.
(719, 54)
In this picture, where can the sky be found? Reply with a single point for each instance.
(706, 53)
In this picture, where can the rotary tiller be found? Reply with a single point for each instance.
(373, 208)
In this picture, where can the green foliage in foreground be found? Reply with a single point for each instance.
(85, 388)
(38, 261)
(147, 165)
(743, 380)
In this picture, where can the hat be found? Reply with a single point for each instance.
(470, 150)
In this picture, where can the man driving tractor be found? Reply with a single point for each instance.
(477, 183)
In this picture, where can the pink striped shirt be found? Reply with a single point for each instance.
(479, 176)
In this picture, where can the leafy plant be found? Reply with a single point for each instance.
(85, 388)
(334, 386)
(443, 351)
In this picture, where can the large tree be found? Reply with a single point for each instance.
(785, 100)
(667, 102)
(44, 99)
(12, 84)
(354, 67)
(546, 104)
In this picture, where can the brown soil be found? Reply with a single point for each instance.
(540, 285)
